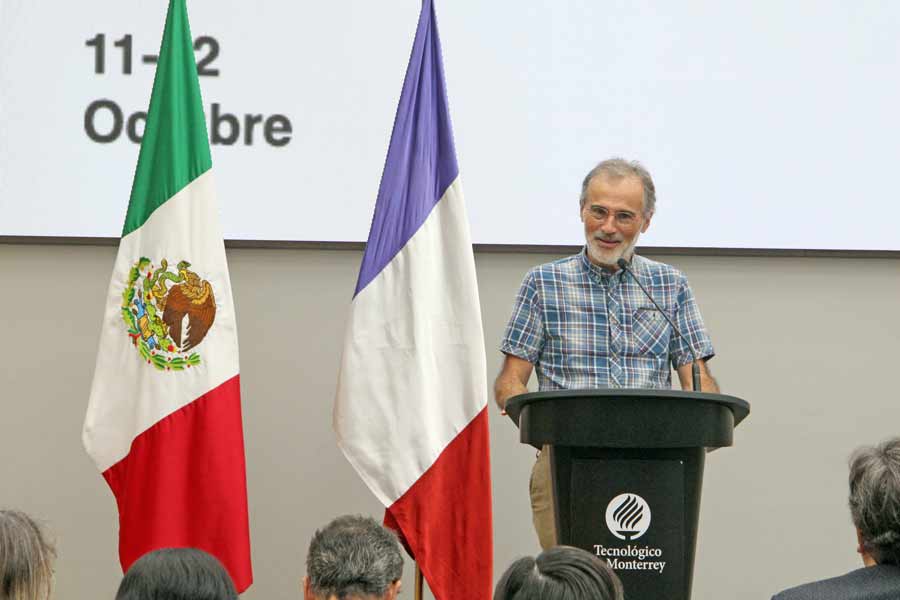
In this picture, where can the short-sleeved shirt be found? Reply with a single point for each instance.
(584, 327)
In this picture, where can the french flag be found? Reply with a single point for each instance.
(411, 407)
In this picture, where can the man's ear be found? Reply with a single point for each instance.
(307, 591)
(394, 590)
(646, 223)
(868, 559)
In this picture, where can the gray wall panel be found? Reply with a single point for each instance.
(810, 342)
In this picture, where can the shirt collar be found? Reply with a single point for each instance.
(636, 264)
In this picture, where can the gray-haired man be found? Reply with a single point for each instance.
(875, 509)
(581, 324)
(353, 558)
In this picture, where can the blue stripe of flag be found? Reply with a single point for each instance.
(421, 159)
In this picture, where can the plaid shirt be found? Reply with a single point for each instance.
(587, 328)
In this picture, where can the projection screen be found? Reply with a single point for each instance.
(766, 125)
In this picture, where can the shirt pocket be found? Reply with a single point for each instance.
(649, 333)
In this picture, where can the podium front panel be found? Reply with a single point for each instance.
(630, 513)
(636, 509)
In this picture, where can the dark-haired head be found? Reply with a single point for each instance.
(560, 573)
(26, 558)
(176, 574)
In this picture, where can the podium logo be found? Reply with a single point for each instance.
(628, 516)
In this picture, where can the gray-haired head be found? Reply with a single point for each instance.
(615, 169)
(26, 558)
(560, 573)
(875, 499)
(353, 557)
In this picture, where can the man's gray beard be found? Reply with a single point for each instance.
(612, 256)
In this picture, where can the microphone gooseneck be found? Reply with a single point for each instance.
(695, 366)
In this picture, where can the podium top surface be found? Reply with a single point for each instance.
(626, 417)
(740, 408)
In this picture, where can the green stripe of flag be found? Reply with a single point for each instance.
(175, 148)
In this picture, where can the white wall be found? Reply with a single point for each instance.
(811, 343)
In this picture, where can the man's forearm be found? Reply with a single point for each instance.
(708, 383)
(506, 388)
(512, 380)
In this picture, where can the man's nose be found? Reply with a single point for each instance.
(608, 226)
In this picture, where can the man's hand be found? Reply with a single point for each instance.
(512, 380)
(707, 382)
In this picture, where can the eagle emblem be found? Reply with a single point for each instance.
(167, 313)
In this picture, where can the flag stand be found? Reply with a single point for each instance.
(418, 583)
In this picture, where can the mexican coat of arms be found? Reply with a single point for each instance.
(167, 313)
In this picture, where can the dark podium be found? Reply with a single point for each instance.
(627, 470)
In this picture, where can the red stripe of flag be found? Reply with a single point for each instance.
(444, 518)
(183, 484)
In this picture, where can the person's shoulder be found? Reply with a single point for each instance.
(810, 591)
(872, 583)
(563, 266)
(657, 271)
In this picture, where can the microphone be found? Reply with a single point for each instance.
(695, 366)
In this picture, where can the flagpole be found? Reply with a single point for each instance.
(418, 583)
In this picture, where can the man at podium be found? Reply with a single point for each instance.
(586, 324)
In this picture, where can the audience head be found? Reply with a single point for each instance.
(875, 500)
(176, 574)
(353, 558)
(26, 558)
(560, 573)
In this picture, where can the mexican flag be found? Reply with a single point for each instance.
(164, 420)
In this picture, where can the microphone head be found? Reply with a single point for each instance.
(623, 264)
